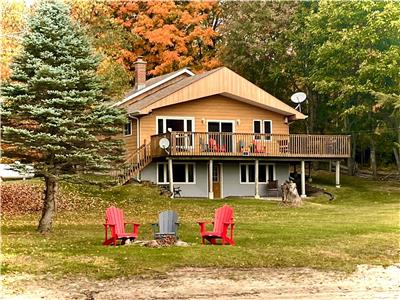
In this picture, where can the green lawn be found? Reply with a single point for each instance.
(361, 226)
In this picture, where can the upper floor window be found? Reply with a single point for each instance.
(128, 128)
(178, 124)
(166, 124)
(263, 128)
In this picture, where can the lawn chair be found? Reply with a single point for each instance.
(167, 224)
(177, 191)
(116, 224)
(273, 186)
(222, 221)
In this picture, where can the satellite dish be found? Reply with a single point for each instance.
(164, 143)
(298, 97)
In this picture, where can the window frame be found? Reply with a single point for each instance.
(188, 138)
(165, 164)
(130, 128)
(182, 118)
(262, 135)
(247, 173)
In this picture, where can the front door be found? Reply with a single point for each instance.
(217, 180)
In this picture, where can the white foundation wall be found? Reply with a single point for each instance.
(233, 187)
(230, 172)
(197, 189)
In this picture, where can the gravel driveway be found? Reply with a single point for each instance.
(367, 282)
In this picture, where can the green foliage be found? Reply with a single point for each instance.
(359, 227)
(55, 113)
(256, 42)
(355, 56)
(342, 54)
(108, 38)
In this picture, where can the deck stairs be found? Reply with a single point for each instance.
(135, 163)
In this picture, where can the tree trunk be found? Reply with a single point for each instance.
(373, 160)
(396, 148)
(290, 196)
(49, 205)
(397, 157)
(352, 160)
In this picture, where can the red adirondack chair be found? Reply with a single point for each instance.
(116, 224)
(222, 221)
(215, 147)
(259, 147)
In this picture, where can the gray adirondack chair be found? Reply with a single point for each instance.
(167, 224)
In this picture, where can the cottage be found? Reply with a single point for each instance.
(216, 135)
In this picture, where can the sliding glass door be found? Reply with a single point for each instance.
(220, 136)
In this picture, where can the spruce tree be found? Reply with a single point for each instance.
(54, 113)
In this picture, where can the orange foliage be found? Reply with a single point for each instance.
(12, 22)
(171, 34)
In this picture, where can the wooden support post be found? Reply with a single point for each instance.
(257, 192)
(171, 177)
(210, 180)
(330, 166)
(303, 179)
(338, 173)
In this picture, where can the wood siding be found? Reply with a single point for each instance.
(130, 140)
(225, 81)
(214, 108)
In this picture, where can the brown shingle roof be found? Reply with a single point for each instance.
(152, 81)
(167, 91)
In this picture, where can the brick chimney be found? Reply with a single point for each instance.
(140, 73)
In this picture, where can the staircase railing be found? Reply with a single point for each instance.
(135, 163)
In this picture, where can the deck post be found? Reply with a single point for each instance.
(303, 179)
(210, 180)
(337, 170)
(171, 177)
(257, 192)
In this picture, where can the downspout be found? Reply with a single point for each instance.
(137, 130)
(137, 139)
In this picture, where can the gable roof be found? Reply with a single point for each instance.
(218, 81)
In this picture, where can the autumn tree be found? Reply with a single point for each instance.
(54, 114)
(109, 38)
(12, 24)
(172, 34)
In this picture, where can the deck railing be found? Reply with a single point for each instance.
(253, 145)
(135, 163)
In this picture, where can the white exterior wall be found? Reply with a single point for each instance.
(197, 189)
(231, 185)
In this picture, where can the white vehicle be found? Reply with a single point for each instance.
(10, 172)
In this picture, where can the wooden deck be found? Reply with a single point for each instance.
(215, 144)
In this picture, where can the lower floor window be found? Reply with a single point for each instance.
(182, 173)
(266, 172)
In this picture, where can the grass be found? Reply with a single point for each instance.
(361, 226)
